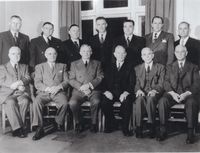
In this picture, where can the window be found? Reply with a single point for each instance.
(115, 11)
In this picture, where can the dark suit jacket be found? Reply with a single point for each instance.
(193, 48)
(156, 77)
(134, 48)
(163, 47)
(69, 52)
(79, 74)
(8, 76)
(102, 52)
(7, 41)
(44, 77)
(37, 48)
(126, 78)
(190, 77)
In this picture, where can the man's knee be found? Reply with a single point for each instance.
(11, 102)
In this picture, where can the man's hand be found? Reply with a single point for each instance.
(123, 96)
(16, 84)
(184, 95)
(152, 93)
(140, 93)
(84, 87)
(175, 96)
(108, 95)
(87, 92)
(21, 88)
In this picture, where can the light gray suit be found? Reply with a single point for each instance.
(46, 77)
(79, 75)
(16, 101)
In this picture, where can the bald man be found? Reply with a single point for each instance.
(148, 89)
(182, 86)
(14, 91)
(50, 80)
(119, 84)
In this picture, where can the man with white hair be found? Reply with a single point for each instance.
(14, 91)
(50, 80)
(13, 37)
(181, 86)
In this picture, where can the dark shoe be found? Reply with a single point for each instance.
(138, 132)
(19, 133)
(162, 133)
(57, 127)
(78, 128)
(93, 128)
(39, 133)
(152, 131)
(108, 130)
(190, 136)
(127, 132)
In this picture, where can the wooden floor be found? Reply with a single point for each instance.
(86, 142)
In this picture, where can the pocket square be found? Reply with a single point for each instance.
(164, 41)
(60, 71)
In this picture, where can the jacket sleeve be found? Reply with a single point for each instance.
(99, 76)
(137, 83)
(195, 87)
(159, 86)
(3, 81)
(170, 49)
(167, 83)
(72, 77)
(38, 80)
(26, 79)
(65, 81)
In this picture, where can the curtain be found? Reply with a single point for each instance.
(163, 8)
(69, 13)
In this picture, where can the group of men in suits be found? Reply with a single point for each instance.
(129, 69)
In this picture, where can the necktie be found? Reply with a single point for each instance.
(16, 70)
(148, 69)
(76, 44)
(118, 66)
(101, 39)
(182, 42)
(86, 63)
(181, 66)
(49, 40)
(15, 38)
(155, 37)
(128, 41)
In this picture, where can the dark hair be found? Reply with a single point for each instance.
(48, 23)
(158, 17)
(183, 22)
(101, 18)
(73, 25)
(127, 20)
(16, 16)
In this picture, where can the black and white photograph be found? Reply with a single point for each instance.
(99, 76)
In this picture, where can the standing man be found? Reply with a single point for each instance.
(40, 44)
(148, 89)
(182, 86)
(14, 38)
(131, 42)
(161, 42)
(119, 85)
(102, 43)
(14, 91)
(51, 79)
(70, 48)
(85, 76)
(192, 45)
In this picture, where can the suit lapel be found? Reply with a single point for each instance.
(157, 42)
(186, 68)
(152, 72)
(175, 73)
(10, 38)
(11, 70)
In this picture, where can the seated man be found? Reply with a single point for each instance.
(85, 76)
(182, 86)
(50, 80)
(14, 91)
(119, 81)
(149, 87)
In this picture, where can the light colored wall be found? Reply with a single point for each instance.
(188, 10)
(33, 14)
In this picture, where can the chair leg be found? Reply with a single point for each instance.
(66, 122)
(103, 122)
(31, 116)
(99, 120)
(3, 119)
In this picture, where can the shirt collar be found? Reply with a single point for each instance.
(104, 35)
(75, 40)
(158, 33)
(84, 61)
(13, 33)
(13, 64)
(184, 39)
(130, 37)
(150, 64)
(183, 63)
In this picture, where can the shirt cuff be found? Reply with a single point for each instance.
(91, 86)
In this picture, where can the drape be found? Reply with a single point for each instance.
(69, 13)
(163, 8)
